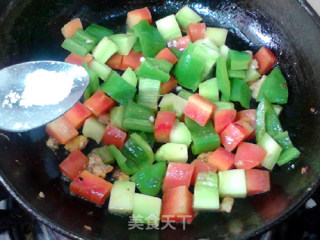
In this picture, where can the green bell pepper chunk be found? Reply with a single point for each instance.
(105, 154)
(240, 92)
(283, 140)
(188, 70)
(176, 52)
(150, 39)
(135, 155)
(204, 138)
(148, 70)
(161, 64)
(238, 60)
(223, 79)
(98, 31)
(93, 82)
(118, 88)
(137, 46)
(260, 120)
(149, 179)
(287, 155)
(185, 94)
(275, 88)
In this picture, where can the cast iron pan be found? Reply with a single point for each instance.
(30, 30)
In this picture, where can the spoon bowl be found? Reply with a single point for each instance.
(35, 93)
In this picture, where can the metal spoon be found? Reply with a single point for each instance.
(35, 93)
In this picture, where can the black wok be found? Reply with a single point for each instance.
(30, 30)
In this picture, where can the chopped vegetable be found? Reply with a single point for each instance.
(122, 197)
(222, 118)
(71, 27)
(135, 16)
(258, 181)
(114, 136)
(62, 130)
(249, 155)
(232, 183)
(169, 28)
(163, 125)
(185, 16)
(74, 164)
(172, 152)
(266, 60)
(78, 114)
(99, 103)
(221, 159)
(92, 128)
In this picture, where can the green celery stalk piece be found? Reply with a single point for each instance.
(188, 70)
(138, 111)
(208, 43)
(261, 120)
(217, 35)
(105, 154)
(172, 102)
(288, 155)
(283, 140)
(138, 125)
(169, 28)
(104, 50)
(93, 80)
(124, 41)
(102, 70)
(223, 79)
(273, 125)
(251, 75)
(137, 46)
(150, 39)
(239, 60)
(237, 73)
(130, 77)
(147, 70)
(185, 94)
(224, 105)
(224, 51)
(209, 89)
(240, 92)
(204, 138)
(116, 116)
(92, 128)
(172, 152)
(98, 31)
(161, 64)
(149, 179)
(210, 57)
(118, 88)
(185, 16)
(73, 45)
(149, 92)
(275, 88)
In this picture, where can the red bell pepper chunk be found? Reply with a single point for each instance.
(250, 117)
(222, 118)
(99, 103)
(178, 174)
(115, 62)
(196, 31)
(167, 55)
(135, 16)
(78, 114)
(177, 205)
(199, 109)
(234, 134)
(74, 164)
(249, 155)
(62, 130)
(222, 159)
(180, 43)
(258, 181)
(78, 60)
(266, 60)
(91, 187)
(163, 125)
(168, 86)
(201, 167)
(71, 27)
(131, 61)
(114, 136)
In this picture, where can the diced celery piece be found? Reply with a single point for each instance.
(206, 198)
(74, 46)
(233, 183)
(277, 108)
(224, 105)
(237, 73)
(130, 77)
(99, 31)
(138, 111)
(169, 28)
(185, 16)
(160, 63)
(104, 50)
(94, 129)
(178, 103)
(93, 81)
(105, 154)
(252, 75)
(210, 57)
(284, 140)
(148, 70)
(184, 94)
(288, 155)
(116, 116)
(224, 51)
(138, 125)
(86, 38)
(149, 91)
(124, 42)
(172, 152)
(102, 70)
(122, 197)
(217, 35)
(209, 89)
(208, 43)
(273, 151)
(146, 209)
(180, 134)
(223, 79)
(239, 60)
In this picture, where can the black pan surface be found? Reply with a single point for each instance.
(30, 30)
